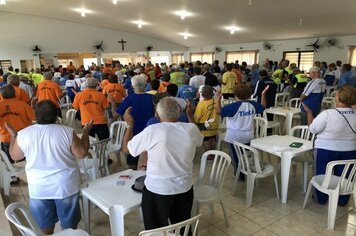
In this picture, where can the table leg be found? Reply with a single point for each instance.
(116, 215)
(285, 171)
(86, 212)
(289, 119)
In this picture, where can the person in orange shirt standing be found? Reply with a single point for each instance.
(165, 82)
(50, 90)
(92, 105)
(117, 91)
(16, 113)
(20, 94)
(71, 67)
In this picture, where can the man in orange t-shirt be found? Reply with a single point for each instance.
(16, 113)
(117, 91)
(50, 90)
(165, 82)
(71, 67)
(20, 93)
(92, 105)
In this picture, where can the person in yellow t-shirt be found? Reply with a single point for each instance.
(205, 116)
(228, 82)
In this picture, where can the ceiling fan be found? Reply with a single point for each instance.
(99, 46)
(36, 48)
(315, 45)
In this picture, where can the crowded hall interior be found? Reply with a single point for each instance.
(217, 118)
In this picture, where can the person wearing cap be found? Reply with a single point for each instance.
(206, 117)
(50, 90)
(92, 105)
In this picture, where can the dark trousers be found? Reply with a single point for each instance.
(157, 209)
(321, 158)
(101, 130)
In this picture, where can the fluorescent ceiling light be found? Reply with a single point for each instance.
(83, 11)
(186, 35)
(233, 29)
(140, 23)
(114, 2)
(183, 14)
(2, 2)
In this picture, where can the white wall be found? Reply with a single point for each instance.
(19, 33)
(325, 53)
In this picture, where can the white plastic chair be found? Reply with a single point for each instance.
(273, 124)
(221, 133)
(249, 164)
(302, 131)
(175, 228)
(65, 102)
(294, 102)
(281, 99)
(89, 166)
(207, 192)
(117, 131)
(260, 127)
(7, 171)
(70, 117)
(334, 186)
(27, 225)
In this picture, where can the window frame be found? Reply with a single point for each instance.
(202, 56)
(299, 55)
(256, 56)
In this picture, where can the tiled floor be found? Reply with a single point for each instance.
(267, 216)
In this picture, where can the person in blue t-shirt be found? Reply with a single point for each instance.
(345, 76)
(187, 91)
(127, 82)
(239, 118)
(142, 110)
(312, 95)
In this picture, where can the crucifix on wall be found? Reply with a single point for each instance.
(122, 44)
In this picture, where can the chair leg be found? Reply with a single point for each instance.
(237, 175)
(118, 157)
(6, 183)
(249, 191)
(224, 211)
(211, 208)
(332, 208)
(276, 184)
(354, 195)
(307, 194)
(304, 176)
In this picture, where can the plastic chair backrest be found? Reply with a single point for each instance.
(100, 148)
(260, 125)
(26, 224)
(227, 101)
(175, 228)
(6, 162)
(346, 180)
(294, 102)
(218, 170)
(70, 117)
(302, 131)
(244, 153)
(88, 164)
(117, 131)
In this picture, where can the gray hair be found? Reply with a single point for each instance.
(47, 75)
(139, 82)
(13, 80)
(315, 69)
(168, 108)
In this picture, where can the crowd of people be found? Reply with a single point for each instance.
(169, 110)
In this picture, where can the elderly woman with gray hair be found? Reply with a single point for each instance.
(336, 135)
(168, 191)
(142, 110)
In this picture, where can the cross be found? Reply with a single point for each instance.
(122, 44)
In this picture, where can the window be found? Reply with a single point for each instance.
(304, 60)
(177, 58)
(250, 57)
(353, 56)
(159, 59)
(5, 64)
(203, 57)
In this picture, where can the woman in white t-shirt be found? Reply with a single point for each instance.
(336, 135)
